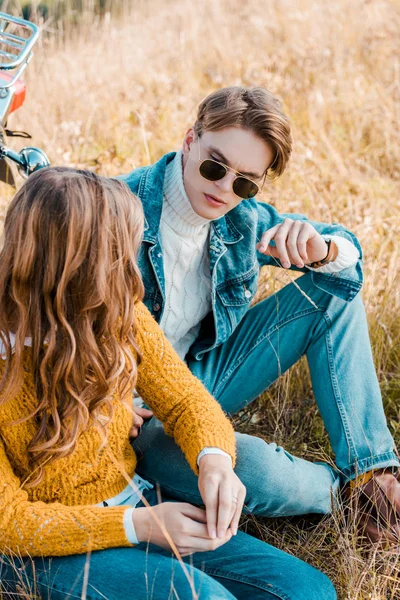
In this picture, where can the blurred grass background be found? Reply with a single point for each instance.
(114, 85)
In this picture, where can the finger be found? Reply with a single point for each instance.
(272, 251)
(267, 236)
(294, 255)
(206, 545)
(134, 432)
(195, 529)
(238, 511)
(302, 240)
(144, 412)
(210, 499)
(193, 512)
(280, 242)
(185, 551)
(138, 421)
(224, 507)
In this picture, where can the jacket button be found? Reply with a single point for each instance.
(247, 294)
(156, 307)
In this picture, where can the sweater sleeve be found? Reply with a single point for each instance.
(178, 399)
(40, 529)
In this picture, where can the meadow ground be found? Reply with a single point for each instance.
(117, 92)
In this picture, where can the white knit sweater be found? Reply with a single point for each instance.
(184, 240)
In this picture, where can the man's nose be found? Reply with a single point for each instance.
(225, 184)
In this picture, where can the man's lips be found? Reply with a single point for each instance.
(213, 200)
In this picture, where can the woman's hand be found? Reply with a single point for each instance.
(296, 243)
(223, 494)
(179, 522)
(139, 415)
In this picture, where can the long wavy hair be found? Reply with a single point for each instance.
(69, 280)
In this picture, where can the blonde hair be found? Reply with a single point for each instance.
(255, 109)
(70, 280)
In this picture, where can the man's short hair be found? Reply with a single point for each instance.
(255, 109)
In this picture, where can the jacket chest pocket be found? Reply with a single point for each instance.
(239, 291)
(235, 297)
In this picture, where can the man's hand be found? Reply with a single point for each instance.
(296, 243)
(179, 522)
(139, 415)
(223, 494)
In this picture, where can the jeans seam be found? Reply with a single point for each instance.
(269, 587)
(260, 339)
(336, 393)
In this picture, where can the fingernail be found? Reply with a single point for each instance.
(221, 533)
(212, 534)
(261, 248)
(300, 265)
(286, 264)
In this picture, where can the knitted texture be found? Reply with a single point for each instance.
(184, 237)
(58, 516)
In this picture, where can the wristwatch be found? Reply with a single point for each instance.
(331, 255)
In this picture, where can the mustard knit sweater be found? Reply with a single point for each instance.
(58, 516)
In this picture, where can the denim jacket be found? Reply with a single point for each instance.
(234, 260)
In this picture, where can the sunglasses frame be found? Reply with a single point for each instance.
(238, 175)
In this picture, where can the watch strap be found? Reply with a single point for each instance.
(331, 255)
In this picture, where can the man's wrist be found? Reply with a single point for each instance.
(331, 255)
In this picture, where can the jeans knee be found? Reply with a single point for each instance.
(262, 464)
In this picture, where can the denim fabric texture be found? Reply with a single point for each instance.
(245, 568)
(273, 335)
(234, 260)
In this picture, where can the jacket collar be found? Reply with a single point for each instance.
(150, 191)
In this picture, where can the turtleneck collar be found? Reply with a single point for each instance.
(177, 211)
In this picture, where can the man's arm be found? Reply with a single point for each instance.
(268, 217)
(293, 241)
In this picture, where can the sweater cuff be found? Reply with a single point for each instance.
(212, 450)
(347, 256)
(129, 526)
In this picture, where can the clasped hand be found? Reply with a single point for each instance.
(189, 529)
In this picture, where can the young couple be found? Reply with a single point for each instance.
(76, 339)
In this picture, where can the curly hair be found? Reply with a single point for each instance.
(69, 280)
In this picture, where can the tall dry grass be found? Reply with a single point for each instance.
(118, 92)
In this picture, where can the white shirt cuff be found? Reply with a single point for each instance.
(347, 255)
(211, 450)
(129, 526)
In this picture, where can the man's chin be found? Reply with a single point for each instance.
(208, 212)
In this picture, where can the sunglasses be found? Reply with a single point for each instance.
(214, 170)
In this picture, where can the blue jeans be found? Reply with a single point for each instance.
(272, 336)
(244, 568)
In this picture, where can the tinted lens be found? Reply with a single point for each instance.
(244, 188)
(212, 170)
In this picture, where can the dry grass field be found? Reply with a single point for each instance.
(117, 92)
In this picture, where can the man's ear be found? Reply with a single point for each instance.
(188, 140)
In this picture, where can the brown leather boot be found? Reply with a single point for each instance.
(378, 499)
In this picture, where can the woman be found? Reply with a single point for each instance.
(76, 339)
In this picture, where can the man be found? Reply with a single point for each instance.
(205, 239)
